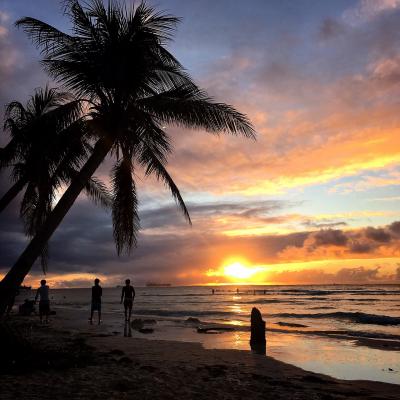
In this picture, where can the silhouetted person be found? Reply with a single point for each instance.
(127, 296)
(212, 291)
(257, 332)
(44, 302)
(97, 292)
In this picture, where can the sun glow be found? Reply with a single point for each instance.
(239, 271)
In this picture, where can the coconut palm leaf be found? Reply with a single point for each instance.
(125, 206)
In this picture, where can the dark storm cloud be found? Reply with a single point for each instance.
(375, 242)
(170, 214)
(378, 234)
(330, 28)
(330, 237)
(395, 227)
(360, 247)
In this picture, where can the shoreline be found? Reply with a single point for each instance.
(116, 366)
(340, 355)
(389, 342)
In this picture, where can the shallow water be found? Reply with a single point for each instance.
(316, 312)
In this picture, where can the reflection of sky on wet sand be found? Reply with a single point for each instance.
(340, 359)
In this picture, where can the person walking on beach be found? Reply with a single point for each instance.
(127, 296)
(97, 292)
(44, 302)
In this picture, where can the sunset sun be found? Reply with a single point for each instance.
(239, 271)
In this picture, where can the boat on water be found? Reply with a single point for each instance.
(152, 284)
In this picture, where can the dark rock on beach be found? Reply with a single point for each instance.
(146, 330)
(192, 320)
(291, 324)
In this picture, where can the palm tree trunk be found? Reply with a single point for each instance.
(20, 269)
(11, 193)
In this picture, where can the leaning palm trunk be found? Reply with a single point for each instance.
(12, 193)
(20, 269)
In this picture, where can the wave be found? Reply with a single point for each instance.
(283, 292)
(181, 313)
(266, 301)
(356, 317)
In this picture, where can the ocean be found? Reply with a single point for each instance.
(328, 328)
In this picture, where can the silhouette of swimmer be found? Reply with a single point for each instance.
(127, 297)
(97, 292)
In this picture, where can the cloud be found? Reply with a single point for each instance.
(378, 234)
(20, 71)
(368, 242)
(330, 28)
(330, 237)
(347, 275)
(315, 126)
(366, 10)
(390, 177)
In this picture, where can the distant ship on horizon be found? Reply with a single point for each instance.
(158, 284)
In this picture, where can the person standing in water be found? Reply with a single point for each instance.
(44, 302)
(97, 292)
(127, 296)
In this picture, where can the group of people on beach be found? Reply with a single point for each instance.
(127, 298)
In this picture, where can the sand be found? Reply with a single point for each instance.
(73, 361)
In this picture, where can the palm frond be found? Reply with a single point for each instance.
(97, 191)
(47, 38)
(190, 107)
(44, 258)
(125, 207)
(153, 165)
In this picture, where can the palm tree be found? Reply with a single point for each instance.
(48, 144)
(35, 143)
(116, 59)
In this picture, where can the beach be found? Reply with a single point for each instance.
(75, 361)
(347, 332)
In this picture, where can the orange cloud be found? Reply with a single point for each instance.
(345, 128)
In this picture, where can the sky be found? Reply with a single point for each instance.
(314, 200)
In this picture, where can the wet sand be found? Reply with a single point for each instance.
(90, 362)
